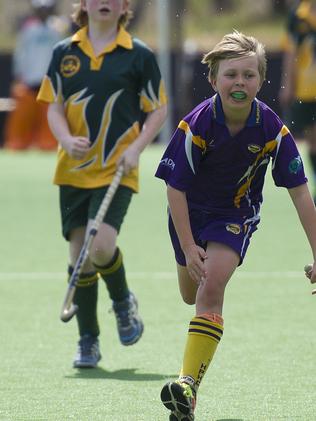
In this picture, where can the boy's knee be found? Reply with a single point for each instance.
(101, 256)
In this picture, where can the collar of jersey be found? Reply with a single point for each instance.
(218, 115)
(123, 39)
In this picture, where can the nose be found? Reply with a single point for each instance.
(239, 81)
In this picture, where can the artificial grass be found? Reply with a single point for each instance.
(263, 371)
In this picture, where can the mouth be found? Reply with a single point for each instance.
(104, 10)
(238, 95)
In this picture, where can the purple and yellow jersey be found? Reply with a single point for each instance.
(103, 97)
(224, 174)
(300, 37)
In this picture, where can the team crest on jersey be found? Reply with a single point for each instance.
(254, 148)
(69, 66)
(295, 165)
(234, 228)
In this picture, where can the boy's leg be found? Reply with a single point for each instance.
(108, 261)
(205, 332)
(86, 297)
(114, 276)
(125, 306)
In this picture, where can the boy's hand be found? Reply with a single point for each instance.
(76, 146)
(310, 273)
(129, 158)
(194, 257)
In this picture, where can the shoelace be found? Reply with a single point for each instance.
(87, 346)
(124, 317)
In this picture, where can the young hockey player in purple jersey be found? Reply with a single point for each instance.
(214, 168)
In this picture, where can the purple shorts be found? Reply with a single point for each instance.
(235, 232)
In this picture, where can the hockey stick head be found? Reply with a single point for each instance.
(68, 313)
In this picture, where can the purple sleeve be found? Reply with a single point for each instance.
(287, 166)
(181, 158)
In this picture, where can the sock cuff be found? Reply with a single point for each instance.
(212, 317)
(114, 264)
(201, 325)
(85, 279)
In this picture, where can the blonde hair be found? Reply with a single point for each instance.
(80, 17)
(235, 45)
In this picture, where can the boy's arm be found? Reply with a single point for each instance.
(151, 127)
(194, 254)
(305, 208)
(75, 146)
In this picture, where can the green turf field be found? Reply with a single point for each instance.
(265, 367)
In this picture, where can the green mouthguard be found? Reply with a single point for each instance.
(238, 95)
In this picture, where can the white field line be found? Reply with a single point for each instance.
(48, 276)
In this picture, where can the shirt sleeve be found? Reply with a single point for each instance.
(287, 164)
(182, 157)
(153, 93)
(51, 86)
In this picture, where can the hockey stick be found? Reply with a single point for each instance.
(69, 309)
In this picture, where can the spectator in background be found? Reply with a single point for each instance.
(298, 86)
(26, 126)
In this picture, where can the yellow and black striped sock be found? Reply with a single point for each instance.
(205, 332)
(114, 277)
(86, 297)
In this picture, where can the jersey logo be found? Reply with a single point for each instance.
(254, 148)
(233, 228)
(69, 66)
(168, 162)
(295, 165)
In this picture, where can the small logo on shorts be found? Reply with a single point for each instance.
(69, 65)
(234, 228)
(254, 148)
(295, 165)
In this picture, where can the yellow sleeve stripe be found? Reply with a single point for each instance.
(197, 140)
(47, 92)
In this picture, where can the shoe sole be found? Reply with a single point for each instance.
(86, 365)
(173, 399)
(136, 338)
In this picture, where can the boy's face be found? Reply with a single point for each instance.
(237, 81)
(104, 10)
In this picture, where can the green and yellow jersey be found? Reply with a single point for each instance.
(103, 98)
(301, 38)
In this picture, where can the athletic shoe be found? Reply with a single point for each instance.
(88, 354)
(180, 399)
(129, 325)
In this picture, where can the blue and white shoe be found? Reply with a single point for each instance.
(129, 325)
(88, 353)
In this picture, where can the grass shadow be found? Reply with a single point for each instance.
(230, 419)
(129, 374)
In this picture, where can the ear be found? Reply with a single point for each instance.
(213, 84)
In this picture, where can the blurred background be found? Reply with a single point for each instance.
(180, 32)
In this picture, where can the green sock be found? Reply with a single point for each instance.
(114, 276)
(86, 297)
